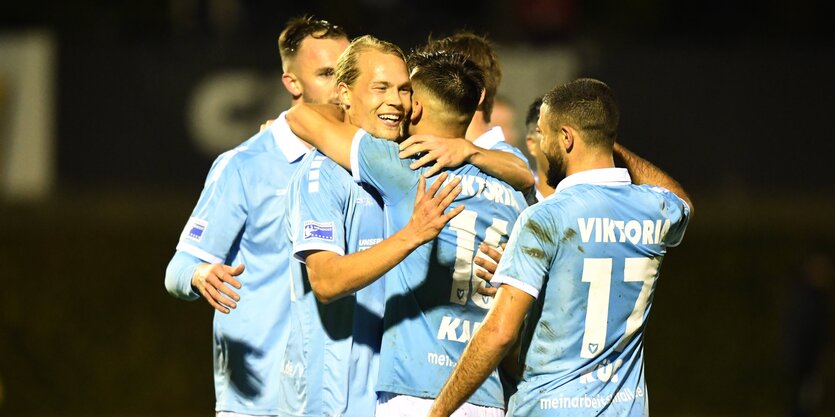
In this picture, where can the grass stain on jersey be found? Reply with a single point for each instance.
(538, 231)
(547, 331)
(568, 235)
(533, 252)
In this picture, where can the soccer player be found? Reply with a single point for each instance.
(533, 137)
(335, 225)
(482, 140)
(239, 220)
(582, 265)
(432, 303)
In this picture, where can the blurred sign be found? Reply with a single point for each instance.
(26, 115)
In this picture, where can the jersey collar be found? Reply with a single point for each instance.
(490, 138)
(291, 146)
(603, 176)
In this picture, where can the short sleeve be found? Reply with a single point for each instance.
(220, 214)
(377, 163)
(506, 147)
(316, 207)
(530, 251)
(678, 212)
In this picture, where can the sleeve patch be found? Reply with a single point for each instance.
(195, 229)
(316, 230)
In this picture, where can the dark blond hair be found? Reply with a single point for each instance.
(347, 67)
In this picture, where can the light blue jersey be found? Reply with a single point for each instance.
(590, 254)
(332, 358)
(494, 139)
(432, 307)
(240, 219)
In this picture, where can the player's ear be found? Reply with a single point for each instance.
(344, 95)
(292, 84)
(417, 111)
(568, 136)
(483, 94)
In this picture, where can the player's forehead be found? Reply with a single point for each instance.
(318, 51)
(380, 67)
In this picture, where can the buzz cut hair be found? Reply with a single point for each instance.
(587, 105)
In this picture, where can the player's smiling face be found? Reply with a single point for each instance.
(381, 98)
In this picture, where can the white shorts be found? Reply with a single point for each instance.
(231, 414)
(399, 405)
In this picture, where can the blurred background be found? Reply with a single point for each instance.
(111, 113)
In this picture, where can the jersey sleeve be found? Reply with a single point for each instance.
(377, 162)
(679, 214)
(529, 253)
(506, 147)
(220, 214)
(316, 212)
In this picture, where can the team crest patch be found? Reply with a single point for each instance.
(195, 229)
(316, 230)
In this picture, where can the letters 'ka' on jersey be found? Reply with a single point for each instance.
(432, 307)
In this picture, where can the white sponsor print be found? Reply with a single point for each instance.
(586, 401)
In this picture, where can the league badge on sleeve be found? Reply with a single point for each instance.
(195, 228)
(316, 230)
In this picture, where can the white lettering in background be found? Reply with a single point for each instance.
(595, 401)
(605, 230)
(456, 330)
(484, 188)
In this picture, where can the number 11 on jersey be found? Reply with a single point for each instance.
(464, 280)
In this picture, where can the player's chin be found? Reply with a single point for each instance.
(388, 132)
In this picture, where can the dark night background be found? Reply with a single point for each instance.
(734, 99)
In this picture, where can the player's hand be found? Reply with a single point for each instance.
(445, 152)
(489, 265)
(428, 216)
(266, 124)
(213, 281)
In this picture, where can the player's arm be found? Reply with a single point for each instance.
(645, 172)
(447, 153)
(490, 343)
(333, 276)
(322, 126)
(187, 277)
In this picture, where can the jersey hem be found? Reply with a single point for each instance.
(298, 249)
(198, 253)
(513, 282)
(413, 393)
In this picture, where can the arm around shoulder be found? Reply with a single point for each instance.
(322, 126)
(645, 172)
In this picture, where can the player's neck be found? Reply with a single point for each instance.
(477, 127)
(542, 183)
(589, 162)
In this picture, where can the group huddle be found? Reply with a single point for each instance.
(378, 249)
